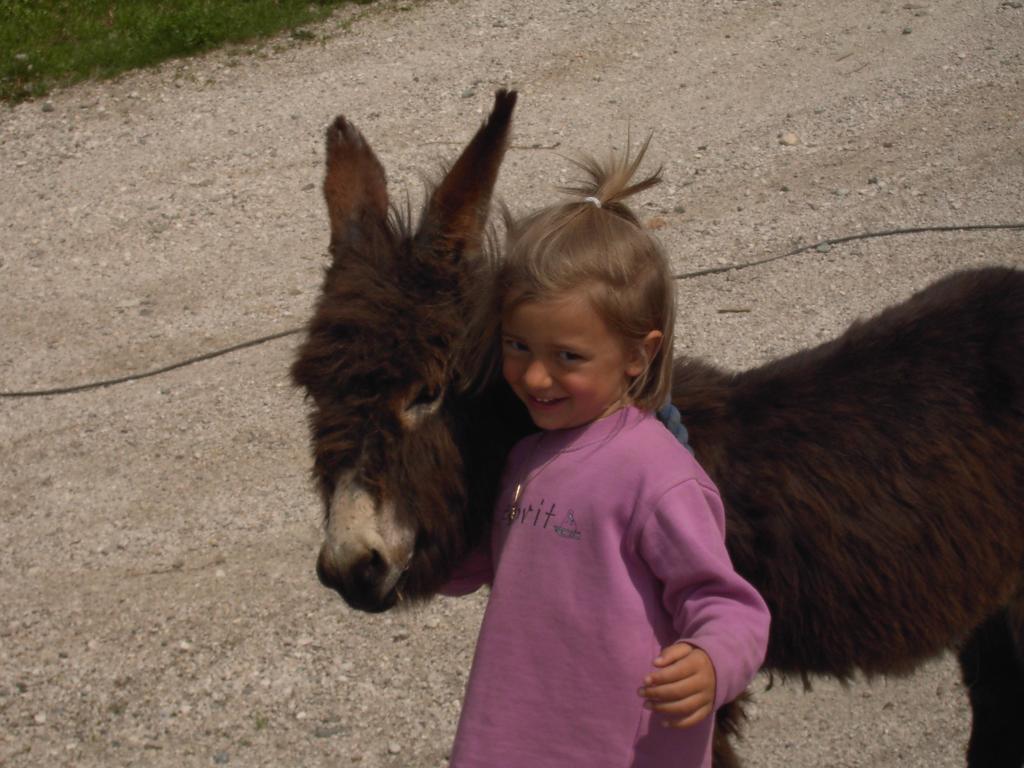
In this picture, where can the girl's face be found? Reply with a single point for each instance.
(565, 364)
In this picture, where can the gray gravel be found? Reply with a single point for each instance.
(156, 558)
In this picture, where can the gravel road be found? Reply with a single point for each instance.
(157, 538)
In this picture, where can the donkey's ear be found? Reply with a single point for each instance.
(355, 187)
(457, 210)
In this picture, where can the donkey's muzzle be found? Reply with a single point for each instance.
(361, 585)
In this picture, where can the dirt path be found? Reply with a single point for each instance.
(156, 557)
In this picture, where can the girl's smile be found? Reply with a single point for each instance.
(544, 406)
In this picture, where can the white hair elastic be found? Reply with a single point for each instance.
(593, 200)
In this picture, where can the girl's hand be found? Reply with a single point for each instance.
(683, 687)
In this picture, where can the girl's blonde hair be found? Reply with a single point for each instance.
(594, 244)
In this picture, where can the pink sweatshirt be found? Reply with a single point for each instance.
(618, 551)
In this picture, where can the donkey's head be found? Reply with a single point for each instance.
(377, 365)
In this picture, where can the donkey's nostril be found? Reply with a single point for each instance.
(369, 572)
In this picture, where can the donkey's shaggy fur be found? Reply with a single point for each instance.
(872, 484)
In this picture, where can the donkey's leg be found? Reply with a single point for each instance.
(727, 724)
(992, 664)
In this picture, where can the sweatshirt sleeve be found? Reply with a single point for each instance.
(682, 540)
(473, 572)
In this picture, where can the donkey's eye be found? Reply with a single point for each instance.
(425, 396)
(424, 403)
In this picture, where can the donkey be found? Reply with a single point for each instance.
(872, 484)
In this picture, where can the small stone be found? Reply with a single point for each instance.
(39, 718)
(823, 248)
(48, 106)
(469, 93)
(789, 139)
(907, 30)
(185, 645)
(221, 758)
(327, 731)
(400, 635)
(394, 747)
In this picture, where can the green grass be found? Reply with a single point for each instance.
(48, 43)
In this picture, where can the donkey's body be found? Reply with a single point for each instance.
(873, 490)
(872, 484)
(885, 469)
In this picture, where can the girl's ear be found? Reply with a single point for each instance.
(643, 353)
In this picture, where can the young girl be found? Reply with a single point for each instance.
(614, 609)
